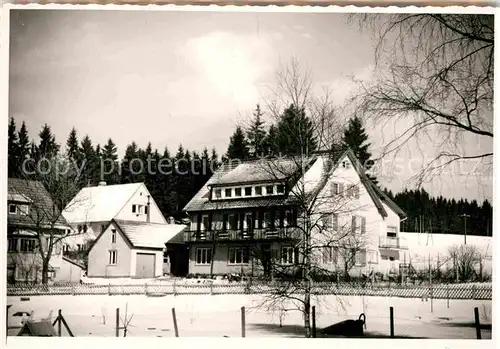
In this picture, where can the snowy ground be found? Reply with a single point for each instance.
(218, 316)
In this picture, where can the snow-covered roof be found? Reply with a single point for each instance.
(100, 203)
(149, 235)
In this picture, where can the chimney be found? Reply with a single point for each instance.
(149, 209)
(102, 183)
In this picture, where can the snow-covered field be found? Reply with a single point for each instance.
(218, 316)
(421, 246)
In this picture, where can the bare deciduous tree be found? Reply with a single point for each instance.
(434, 83)
(323, 223)
(44, 219)
(467, 258)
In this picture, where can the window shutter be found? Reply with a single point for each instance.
(362, 257)
(242, 220)
(335, 221)
(356, 191)
(353, 224)
(341, 190)
(363, 225)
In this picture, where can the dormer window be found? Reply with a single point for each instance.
(218, 193)
(12, 209)
(258, 190)
(269, 189)
(280, 189)
(228, 193)
(248, 191)
(237, 192)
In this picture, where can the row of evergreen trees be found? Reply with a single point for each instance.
(173, 179)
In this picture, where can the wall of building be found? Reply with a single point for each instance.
(140, 197)
(68, 272)
(98, 260)
(221, 265)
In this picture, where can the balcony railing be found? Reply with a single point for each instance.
(242, 235)
(396, 243)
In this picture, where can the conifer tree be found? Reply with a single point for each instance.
(12, 150)
(256, 133)
(237, 148)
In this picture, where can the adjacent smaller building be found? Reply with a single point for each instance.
(32, 219)
(131, 249)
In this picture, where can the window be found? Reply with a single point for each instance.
(146, 209)
(237, 191)
(230, 222)
(345, 164)
(85, 228)
(103, 227)
(228, 193)
(330, 255)
(258, 190)
(205, 223)
(266, 222)
(23, 210)
(360, 258)
(12, 245)
(113, 236)
(134, 208)
(335, 188)
(12, 209)
(330, 221)
(203, 255)
(238, 255)
(27, 245)
(358, 224)
(248, 221)
(372, 257)
(280, 189)
(248, 191)
(391, 232)
(80, 228)
(139, 208)
(287, 255)
(356, 191)
(113, 257)
(218, 193)
(269, 189)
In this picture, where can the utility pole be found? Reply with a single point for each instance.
(465, 227)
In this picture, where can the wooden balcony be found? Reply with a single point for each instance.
(290, 233)
(392, 243)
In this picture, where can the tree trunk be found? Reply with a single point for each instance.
(45, 271)
(307, 309)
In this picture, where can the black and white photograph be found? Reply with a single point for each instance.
(248, 172)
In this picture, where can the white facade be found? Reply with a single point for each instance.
(93, 208)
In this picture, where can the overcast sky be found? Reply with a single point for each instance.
(181, 77)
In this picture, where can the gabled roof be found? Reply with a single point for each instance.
(100, 203)
(145, 235)
(249, 172)
(42, 213)
(73, 262)
(376, 194)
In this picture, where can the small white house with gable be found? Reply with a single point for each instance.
(115, 223)
(93, 208)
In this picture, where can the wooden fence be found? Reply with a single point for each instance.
(473, 291)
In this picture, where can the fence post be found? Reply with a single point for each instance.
(175, 323)
(109, 289)
(59, 316)
(211, 288)
(314, 321)
(146, 288)
(243, 321)
(173, 288)
(473, 291)
(391, 314)
(478, 324)
(72, 289)
(117, 330)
